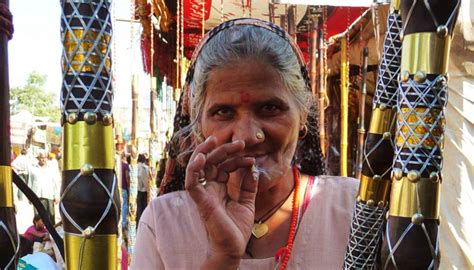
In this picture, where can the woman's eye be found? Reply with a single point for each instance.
(270, 109)
(224, 112)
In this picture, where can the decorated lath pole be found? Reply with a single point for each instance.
(8, 232)
(412, 226)
(372, 200)
(89, 203)
(322, 96)
(313, 71)
(344, 106)
(153, 100)
(361, 118)
(133, 188)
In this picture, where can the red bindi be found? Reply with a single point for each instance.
(245, 97)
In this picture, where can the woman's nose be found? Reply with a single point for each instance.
(248, 131)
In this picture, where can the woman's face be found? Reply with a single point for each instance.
(246, 98)
(39, 224)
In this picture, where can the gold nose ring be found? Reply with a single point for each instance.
(259, 135)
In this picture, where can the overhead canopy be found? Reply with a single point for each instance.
(202, 15)
(336, 3)
(214, 12)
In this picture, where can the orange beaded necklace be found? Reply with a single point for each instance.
(285, 252)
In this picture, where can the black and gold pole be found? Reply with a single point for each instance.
(8, 232)
(372, 201)
(412, 226)
(89, 195)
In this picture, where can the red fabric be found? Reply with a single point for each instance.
(341, 18)
(146, 51)
(192, 10)
(124, 263)
(193, 13)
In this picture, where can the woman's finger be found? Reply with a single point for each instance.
(193, 170)
(248, 188)
(224, 151)
(231, 165)
(221, 154)
(206, 147)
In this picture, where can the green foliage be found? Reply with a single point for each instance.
(33, 98)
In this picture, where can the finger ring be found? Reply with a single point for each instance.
(202, 181)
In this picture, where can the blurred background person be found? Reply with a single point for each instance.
(125, 186)
(21, 165)
(45, 183)
(37, 232)
(143, 175)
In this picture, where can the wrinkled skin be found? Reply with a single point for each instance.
(242, 99)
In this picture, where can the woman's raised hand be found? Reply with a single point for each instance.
(226, 204)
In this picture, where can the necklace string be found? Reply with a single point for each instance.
(283, 254)
(274, 209)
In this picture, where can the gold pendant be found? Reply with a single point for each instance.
(259, 229)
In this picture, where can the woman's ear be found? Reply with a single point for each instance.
(303, 118)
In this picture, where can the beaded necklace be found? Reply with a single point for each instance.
(285, 251)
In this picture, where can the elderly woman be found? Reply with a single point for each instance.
(248, 203)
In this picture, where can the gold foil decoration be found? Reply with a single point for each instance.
(6, 188)
(419, 121)
(375, 190)
(427, 52)
(79, 53)
(92, 144)
(408, 199)
(93, 63)
(87, 42)
(381, 120)
(99, 252)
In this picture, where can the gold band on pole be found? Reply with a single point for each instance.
(88, 144)
(394, 6)
(409, 198)
(6, 189)
(427, 52)
(377, 191)
(381, 120)
(344, 106)
(98, 252)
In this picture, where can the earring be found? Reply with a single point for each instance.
(303, 132)
(260, 135)
(199, 137)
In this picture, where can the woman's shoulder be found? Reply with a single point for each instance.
(339, 181)
(169, 207)
(335, 187)
(174, 201)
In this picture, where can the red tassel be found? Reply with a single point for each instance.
(281, 253)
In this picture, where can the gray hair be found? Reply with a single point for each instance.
(239, 43)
